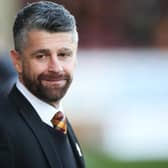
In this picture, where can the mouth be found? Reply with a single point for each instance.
(54, 82)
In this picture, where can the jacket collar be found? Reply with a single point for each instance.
(76, 147)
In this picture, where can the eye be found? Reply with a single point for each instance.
(41, 56)
(65, 54)
(61, 54)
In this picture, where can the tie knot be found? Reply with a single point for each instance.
(59, 122)
(59, 116)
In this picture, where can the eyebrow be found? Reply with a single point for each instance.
(47, 51)
(65, 50)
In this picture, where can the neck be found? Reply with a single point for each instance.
(54, 104)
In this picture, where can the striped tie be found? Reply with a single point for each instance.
(59, 122)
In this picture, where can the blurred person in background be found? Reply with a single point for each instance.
(7, 74)
(34, 130)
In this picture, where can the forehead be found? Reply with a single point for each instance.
(43, 39)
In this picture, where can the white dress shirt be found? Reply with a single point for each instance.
(44, 110)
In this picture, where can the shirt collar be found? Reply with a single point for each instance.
(44, 110)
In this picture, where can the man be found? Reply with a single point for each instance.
(45, 40)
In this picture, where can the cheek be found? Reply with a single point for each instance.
(70, 68)
(30, 70)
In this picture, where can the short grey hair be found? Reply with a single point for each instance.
(42, 15)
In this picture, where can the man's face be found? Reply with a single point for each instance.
(46, 64)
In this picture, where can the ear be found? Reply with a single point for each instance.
(16, 60)
(76, 61)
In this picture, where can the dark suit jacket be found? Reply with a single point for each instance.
(24, 140)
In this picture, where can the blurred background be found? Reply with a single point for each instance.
(118, 102)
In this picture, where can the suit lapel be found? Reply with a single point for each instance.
(36, 125)
(75, 147)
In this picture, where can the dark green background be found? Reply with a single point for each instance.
(96, 159)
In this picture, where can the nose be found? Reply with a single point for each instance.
(55, 65)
